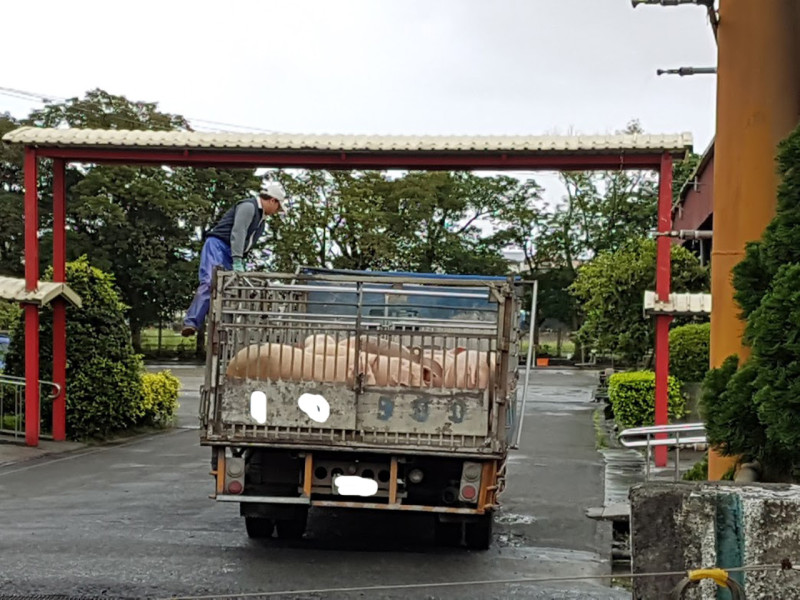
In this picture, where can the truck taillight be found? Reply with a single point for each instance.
(470, 482)
(469, 492)
(234, 471)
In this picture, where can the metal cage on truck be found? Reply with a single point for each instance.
(406, 381)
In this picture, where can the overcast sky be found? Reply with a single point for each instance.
(374, 66)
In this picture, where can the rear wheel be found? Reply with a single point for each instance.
(478, 534)
(294, 528)
(448, 533)
(259, 528)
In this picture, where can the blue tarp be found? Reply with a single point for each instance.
(315, 270)
(428, 307)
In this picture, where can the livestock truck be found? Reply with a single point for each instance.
(362, 391)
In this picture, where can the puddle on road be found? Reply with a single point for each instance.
(511, 540)
(516, 547)
(624, 468)
(514, 519)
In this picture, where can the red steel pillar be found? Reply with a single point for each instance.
(59, 305)
(663, 277)
(31, 310)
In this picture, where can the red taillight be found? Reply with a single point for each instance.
(469, 492)
(235, 487)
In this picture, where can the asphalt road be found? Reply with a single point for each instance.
(134, 520)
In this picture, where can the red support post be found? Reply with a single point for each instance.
(663, 284)
(59, 305)
(31, 310)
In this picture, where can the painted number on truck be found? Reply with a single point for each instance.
(457, 412)
(420, 410)
(385, 408)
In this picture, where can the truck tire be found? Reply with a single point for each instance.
(448, 534)
(294, 528)
(258, 528)
(478, 534)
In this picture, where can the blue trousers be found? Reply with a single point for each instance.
(215, 253)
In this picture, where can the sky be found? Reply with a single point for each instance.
(374, 66)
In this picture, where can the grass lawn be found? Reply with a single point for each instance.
(567, 347)
(170, 340)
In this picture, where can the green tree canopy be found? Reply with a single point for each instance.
(611, 290)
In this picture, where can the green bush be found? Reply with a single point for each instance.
(104, 387)
(699, 472)
(610, 288)
(688, 351)
(632, 397)
(159, 398)
(9, 314)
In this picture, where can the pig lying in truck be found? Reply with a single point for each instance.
(382, 363)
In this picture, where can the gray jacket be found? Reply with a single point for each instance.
(241, 226)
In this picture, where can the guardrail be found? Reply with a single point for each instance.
(672, 436)
(12, 404)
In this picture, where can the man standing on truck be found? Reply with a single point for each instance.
(229, 242)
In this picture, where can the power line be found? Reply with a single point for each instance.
(214, 126)
(785, 565)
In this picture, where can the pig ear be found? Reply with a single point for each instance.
(459, 350)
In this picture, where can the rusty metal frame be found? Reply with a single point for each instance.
(400, 507)
(225, 309)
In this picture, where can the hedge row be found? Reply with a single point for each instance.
(632, 397)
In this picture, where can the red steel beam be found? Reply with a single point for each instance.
(59, 305)
(301, 159)
(31, 310)
(663, 284)
(358, 160)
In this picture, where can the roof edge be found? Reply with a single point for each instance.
(676, 144)
(14, 290)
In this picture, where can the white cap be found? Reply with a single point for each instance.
(273, 189)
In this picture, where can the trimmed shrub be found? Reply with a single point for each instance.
(159, 398)
(632, 397)
(104, 387)
(688, 352)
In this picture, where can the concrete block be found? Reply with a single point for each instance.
(685, 526)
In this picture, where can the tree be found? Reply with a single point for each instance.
(12, 243)
(600, 212)
(140, 223)
(426, 222)
(754, 410)
(103, 373)
(611, 288)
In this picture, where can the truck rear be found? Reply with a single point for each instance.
(361, 391)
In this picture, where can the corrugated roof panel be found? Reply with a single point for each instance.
(638, 143)
(13, 289)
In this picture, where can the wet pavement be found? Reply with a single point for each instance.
(134, 520)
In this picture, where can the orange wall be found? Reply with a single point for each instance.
(758, 104)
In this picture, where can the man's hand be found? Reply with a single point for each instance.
(238, 265)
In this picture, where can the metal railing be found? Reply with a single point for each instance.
(12, 405)
(671, 436)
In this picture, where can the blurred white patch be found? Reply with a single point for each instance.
(315, 406)
(258, 407)
(353, 485)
